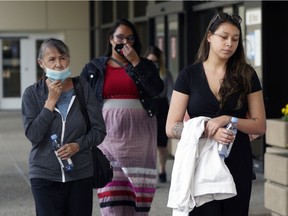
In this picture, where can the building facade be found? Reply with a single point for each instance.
(23, 26)
(175, 26)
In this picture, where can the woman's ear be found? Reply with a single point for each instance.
(111, 40)
(209, 36)
(40, 62)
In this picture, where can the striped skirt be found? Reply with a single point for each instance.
(130, 144)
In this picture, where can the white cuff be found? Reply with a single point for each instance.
(177, 212)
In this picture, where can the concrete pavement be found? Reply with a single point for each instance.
(15, 194)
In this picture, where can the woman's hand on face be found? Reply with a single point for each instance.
(130, 54)
(55, 89)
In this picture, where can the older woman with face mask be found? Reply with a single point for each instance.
(50, 107)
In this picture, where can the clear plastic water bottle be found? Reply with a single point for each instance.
(224, 149)
(67, 165)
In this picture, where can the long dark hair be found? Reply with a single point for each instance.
(238, 72)
(136, 45)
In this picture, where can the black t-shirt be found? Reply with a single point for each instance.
(202, 102)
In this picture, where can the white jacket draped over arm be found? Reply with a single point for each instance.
(199, 175)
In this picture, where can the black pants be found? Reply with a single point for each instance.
(163, 107)
(63, 199)
(228, 207)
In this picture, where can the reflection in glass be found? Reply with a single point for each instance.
(173, 45)
(160, 33)
(11, 68)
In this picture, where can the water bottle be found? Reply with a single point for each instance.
(67, 165)
(224, 150)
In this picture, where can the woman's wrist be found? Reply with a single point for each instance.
(135, 61)
(50, 105)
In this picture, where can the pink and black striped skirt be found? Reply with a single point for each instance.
(130, 144)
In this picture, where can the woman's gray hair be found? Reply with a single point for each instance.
(54, 43)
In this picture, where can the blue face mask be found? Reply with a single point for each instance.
(58, 75)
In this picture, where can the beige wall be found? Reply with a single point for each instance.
(71, 18)
(22, 16)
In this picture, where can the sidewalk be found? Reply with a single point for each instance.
(15, 194)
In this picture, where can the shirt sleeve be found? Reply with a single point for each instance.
(255, 83)
(182, 82)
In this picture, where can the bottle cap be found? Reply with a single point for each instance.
(234, 119)
(54, 136)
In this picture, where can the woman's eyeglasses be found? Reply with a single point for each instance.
(121, 37)
(223, 17)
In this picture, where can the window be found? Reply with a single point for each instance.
(122, 9)
(11, 68)
(140, 8)
(107, 12)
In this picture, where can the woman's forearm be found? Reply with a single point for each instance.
(177, 130)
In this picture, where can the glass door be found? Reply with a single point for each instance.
(160, 33)
(18, 66)
(11, 71)
(173, 45)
